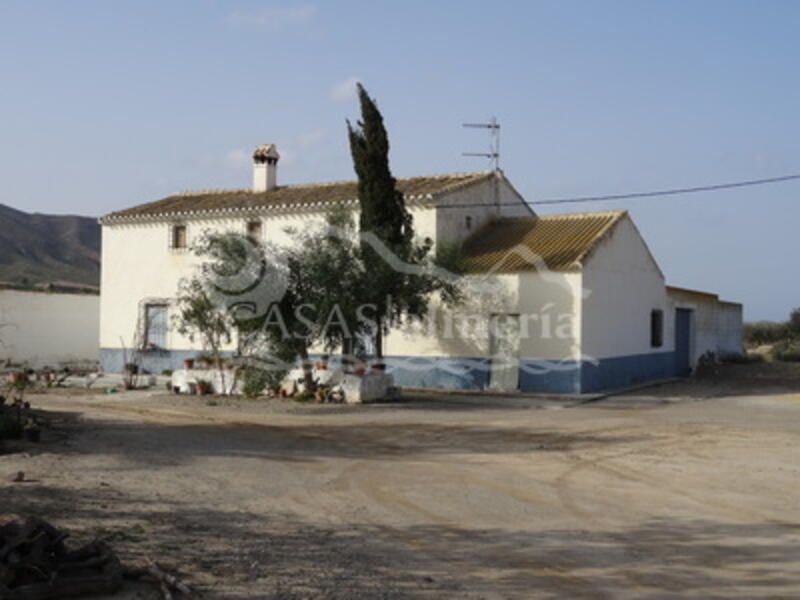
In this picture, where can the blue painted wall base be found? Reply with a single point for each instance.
(552, 377)
(112, 360)
(623, 371)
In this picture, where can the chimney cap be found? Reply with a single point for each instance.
(266, 153)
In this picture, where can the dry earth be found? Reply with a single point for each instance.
(688, 490)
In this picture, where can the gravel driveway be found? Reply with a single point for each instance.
(689, 490)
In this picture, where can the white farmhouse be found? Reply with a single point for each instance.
(569, 303)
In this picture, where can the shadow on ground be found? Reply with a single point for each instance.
(235, 554)
(160, 445)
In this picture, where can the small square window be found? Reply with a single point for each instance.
(468, 222)
(254, 229)
(178, 237)
(657, 328)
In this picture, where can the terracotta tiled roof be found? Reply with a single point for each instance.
(520, 244)
(290, 196)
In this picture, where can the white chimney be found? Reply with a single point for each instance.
(265, 168)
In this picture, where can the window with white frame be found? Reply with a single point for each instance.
(155, 326)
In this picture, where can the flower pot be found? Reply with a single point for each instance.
(188, 363)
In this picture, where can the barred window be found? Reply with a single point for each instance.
(178, 237)
(155, 332)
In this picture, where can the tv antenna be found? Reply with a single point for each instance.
(494, 141)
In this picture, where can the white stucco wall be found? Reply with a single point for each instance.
(715, 326)
(480, 202)
(138, 265)
(730, 328)
(623, 285)
(704, 320)
(48, 328)
(548, 305)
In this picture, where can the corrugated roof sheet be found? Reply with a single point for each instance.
(680, 290)
(520, 244)
(290, 196)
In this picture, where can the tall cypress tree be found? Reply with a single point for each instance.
(383, 211)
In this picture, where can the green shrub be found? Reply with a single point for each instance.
(786, 352)
(255, 381)
(765, 332)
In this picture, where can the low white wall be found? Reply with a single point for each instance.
(47, 328)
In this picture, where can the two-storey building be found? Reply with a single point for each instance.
(562, 303)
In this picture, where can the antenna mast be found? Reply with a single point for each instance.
(494, 142)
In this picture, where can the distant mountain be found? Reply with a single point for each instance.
(36, 248)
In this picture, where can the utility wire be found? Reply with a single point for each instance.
(689, 190)
(670, 192)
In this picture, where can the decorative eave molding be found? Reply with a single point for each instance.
(417, 200)
(413, 200)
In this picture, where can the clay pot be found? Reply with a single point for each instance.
(188, 363)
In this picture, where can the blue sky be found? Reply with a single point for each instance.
(108, 104)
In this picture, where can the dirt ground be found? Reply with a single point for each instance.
(686, 490)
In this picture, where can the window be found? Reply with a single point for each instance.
(657, 328)
(155, 332)
(178, 240)
(254, 230)
(468, 222)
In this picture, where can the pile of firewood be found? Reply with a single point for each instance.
(35, 564)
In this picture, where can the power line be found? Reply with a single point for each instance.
(672, 192)
(669, 192)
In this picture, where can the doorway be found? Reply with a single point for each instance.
(504, 341)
